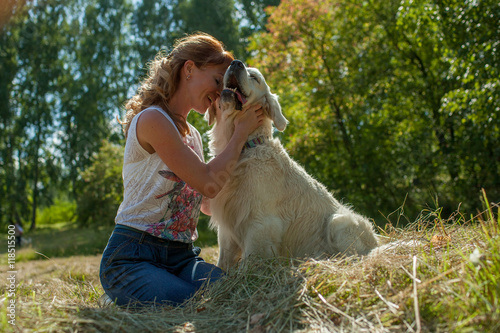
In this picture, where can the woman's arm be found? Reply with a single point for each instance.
(156, 134)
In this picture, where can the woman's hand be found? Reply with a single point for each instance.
(205, 206)
(249, 119)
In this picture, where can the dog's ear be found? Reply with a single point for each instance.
(274, 110)
(210, 114)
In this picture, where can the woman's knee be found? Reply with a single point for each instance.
(205, 273)
(146, 284)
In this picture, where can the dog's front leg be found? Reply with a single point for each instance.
(229, 250)
(263, 237)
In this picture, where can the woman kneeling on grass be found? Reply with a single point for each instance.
(150, 257)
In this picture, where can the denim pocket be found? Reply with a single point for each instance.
(119, 251)
(117, 247)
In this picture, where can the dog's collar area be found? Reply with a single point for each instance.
(254, 142)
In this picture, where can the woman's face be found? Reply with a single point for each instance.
(205, 85)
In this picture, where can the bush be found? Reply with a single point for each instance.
(62, 210)
(100, 191)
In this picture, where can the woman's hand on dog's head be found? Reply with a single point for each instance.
(249, 119)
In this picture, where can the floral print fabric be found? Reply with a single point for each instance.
(181, 216)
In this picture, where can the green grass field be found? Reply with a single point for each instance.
(60, 240)
(448, 282)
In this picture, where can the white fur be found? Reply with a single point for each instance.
(270, 206)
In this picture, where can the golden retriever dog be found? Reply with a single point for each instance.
(269, 205)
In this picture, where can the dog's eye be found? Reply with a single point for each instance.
(255, 78)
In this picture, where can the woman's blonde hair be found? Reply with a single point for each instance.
(164, 75)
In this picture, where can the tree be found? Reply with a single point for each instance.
(254, 11)
(67, 73)
(99, 73)
(252, 17)
(215, 17)
(377, 95)
(10, 140)
(153, 27)
(454, 65)
(472, 109)
(33, 68)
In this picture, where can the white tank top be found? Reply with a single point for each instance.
(155, 200)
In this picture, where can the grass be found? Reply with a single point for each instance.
(60, 240)
(443, 277)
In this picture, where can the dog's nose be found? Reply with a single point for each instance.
(237, 63)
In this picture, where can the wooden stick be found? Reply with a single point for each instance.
(415, 295)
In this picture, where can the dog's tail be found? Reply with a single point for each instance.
(350, 234)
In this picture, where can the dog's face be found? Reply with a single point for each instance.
(245, 85)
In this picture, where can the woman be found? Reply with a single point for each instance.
(150, 258)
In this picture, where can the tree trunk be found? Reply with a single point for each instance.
(35, 179)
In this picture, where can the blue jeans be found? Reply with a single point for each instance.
(140, 269)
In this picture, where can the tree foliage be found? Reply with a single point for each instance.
(66, 62)
(31, 51)
(101, 187)
(389, 100)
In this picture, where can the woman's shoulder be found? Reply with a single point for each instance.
(155, 111)
(155, 115)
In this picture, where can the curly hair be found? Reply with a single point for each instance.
(164, 74)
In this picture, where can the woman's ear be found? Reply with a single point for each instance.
(188, 68)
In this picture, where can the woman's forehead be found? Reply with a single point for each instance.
(217, 69)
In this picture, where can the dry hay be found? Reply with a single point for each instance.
(391, 291)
